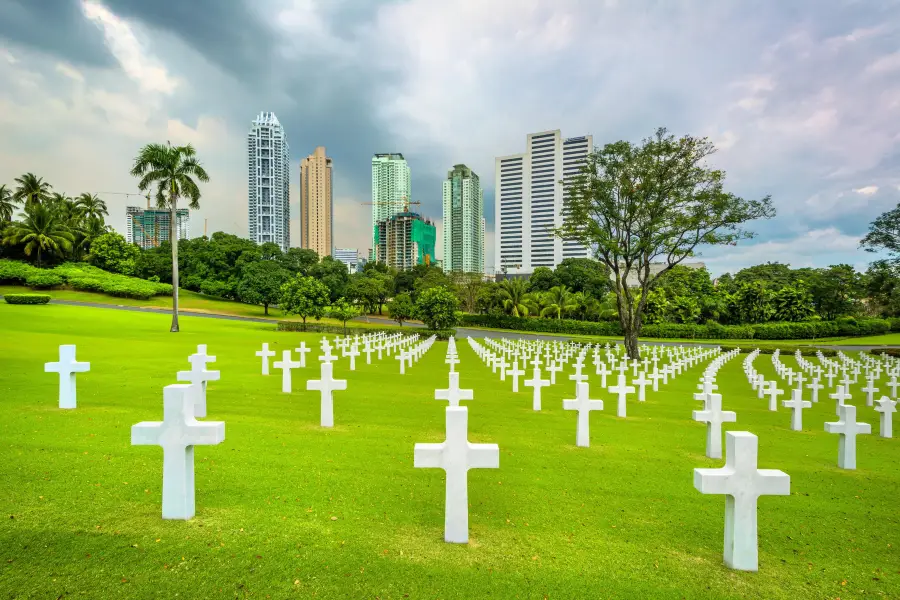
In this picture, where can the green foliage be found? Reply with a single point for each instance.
(584, 275)
(402, 308)
(261, 283)
(792, 303)
(112, 253)
(443, 334)
(27, 298)
(370, 289)
(514, 300)
(343, 311)
(333, 273)
(489, 298)
(298, 261)
(44, 280)
(653, 202)
(41, 232)
(85, 277)
(324, 328)
(437, 307)
(542, 279)
(8, 205)
(558, 301)
(304, 296)
(884, 234)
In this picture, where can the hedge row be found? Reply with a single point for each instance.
(328, 328)
(82, 277)
(712, 331)
(26, 298)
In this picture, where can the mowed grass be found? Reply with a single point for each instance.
(287, 509)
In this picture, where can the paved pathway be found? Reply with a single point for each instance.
(461, 332)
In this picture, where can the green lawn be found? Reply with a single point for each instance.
(286, 509)
(188, 302)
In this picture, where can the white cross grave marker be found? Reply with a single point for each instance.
(265, 353)
(622, 391)
(178, 433)
(286, 364)
(848, 428)
(642, 382)
(302, 350)
(742, 483)
(584, 405)
(840, 395)
(456, 455)
(713, 415)
(198, 376)
(796, 404)
(887, 408)
(773, 392)
(67, 366)
(515, 373)
(326, 384)
(453, 394)
(537, 383)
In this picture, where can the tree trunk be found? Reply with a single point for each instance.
(266, 308)
(173, 239)
(631, 343)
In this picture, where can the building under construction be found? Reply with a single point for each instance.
(404, 241)
(149, 227)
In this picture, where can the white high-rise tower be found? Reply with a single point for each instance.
(269, 182)
(528, 203)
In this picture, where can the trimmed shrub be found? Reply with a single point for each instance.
(43, 281)
(338, 329)
(27, 298)
(441, 334)
(14, 271)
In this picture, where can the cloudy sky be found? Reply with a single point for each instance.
(802, 98)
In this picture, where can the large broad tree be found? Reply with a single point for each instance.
(304, 296)
(173, 169)
(652, 203)
(261, 283)
(884, 234)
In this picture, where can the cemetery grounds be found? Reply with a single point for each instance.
(286, 508)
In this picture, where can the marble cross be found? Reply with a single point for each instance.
(515, 373)
(815, 386)
(893, 384)
(641, 382)
(403, 356)
(326, 384)
(326, 355)
(887, 408)
(553, 368)
(353, 353)
(773, 392)
(178, 433)
(870, 390)
(742, 483)
(198, 376)
(453, 394)
(265, 353)
(655, 376)
(713, 415)
(584, 405)
(796, 404)
(602, 371)
(286, 364)
(67, 366)
(456, 455)
(848, 428)
(537, 383)
(621, 390)
(302, 350)
(368, 350)
(840, 395)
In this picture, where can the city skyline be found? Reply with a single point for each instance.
(802, 109)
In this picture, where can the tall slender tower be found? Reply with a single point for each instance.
(269, 182)
(317, 203)
(529, 203)
(390, 189)
(463, 222)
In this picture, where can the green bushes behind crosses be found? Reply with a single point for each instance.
(804, 330)
(27, 298)
(82, 277)
(438, 308)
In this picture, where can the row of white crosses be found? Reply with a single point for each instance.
(414, 353)
(456, 455)
(712, 413)
(180, 431)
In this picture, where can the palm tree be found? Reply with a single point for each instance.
(559, 300)
(31, 189)
(91, 206)
(8, 205)
(40, 230)
(514, 295)
(172, 169)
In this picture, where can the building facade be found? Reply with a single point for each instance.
(390, 188)
(404, 241)
(149, 227)
(463, 225)
(317, 203)
(268, 177)
(529, 203)
(348, 256)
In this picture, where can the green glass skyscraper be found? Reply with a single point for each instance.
(463, 223)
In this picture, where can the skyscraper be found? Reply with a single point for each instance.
(149, 227)
(463, 222)
(390, 188)
(405, 240)
(269, 182)
(529, 202)
(317, 203)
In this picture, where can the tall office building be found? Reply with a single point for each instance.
(463, 222)
(149, 227)
(317, 203)
(269, 182)
(529, 203)
(390, 188)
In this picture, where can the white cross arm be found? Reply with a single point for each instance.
(429, 456)
(202, 433)
(484, 456)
